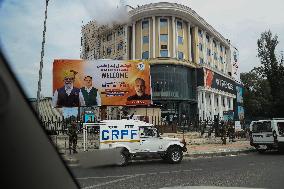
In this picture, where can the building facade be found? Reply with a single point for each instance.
(181, 48)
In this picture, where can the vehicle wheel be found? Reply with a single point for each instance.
(174, 155)
(124, 158)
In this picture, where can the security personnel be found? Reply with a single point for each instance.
(72, 133)
(223, 132)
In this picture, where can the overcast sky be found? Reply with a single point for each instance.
(21, 25)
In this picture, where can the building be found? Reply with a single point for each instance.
(182, 49)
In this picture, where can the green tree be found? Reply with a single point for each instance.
(257, 98)
(272, 70)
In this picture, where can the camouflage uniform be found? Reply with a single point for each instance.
(72, 133)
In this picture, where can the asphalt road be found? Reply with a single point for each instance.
(251, 170)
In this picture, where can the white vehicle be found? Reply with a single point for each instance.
(136, 138)
(267, 134)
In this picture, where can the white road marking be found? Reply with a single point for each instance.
(110, 182)
(138, 174)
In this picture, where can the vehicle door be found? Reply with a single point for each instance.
(262, 132)
(149, 139)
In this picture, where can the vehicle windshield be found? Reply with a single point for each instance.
(261, 127)
(167, 88)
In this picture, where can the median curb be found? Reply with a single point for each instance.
(215, 154)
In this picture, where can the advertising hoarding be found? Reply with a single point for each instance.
(210, 79)
(235, 63)
(101, 82)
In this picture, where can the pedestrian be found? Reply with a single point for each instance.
(72, 133)
(223, 132)
(231, 131)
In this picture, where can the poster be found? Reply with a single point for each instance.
(101, 82)
(210, 79)
(228, 115)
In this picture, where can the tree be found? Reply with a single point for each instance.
(257, 98)
(272, 70)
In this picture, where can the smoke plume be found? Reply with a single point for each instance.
(106, 12)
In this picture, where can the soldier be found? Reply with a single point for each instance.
(223, 132)
(231, 131)
(72, 133)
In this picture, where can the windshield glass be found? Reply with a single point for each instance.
(262, 127)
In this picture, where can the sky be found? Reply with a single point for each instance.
(21, 26)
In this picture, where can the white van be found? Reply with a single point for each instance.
(267, 134)
(137, 138)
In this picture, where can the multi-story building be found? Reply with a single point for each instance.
(182, 49)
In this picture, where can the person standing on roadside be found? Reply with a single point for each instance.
(72, 133)
(223, 132)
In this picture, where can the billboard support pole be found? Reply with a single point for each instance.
(41, 58)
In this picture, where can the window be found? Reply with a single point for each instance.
(145, 55)
(200, 33)
(180, 40)
(201, 61)
(120, 31)
(164, 38)
(145, 39)
(200, 47)
(164, 46)
(215, 56)
(109, 51)
(120, 46)
(163, 22)
(221, 59)
(145, 24)
(208, 52)
(207, 38)
(221, 48)
(259, 127)
(164, 53)
(179, 25)
(180, 55)
(109, 37)
(214, 42)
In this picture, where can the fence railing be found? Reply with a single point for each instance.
(58, 126)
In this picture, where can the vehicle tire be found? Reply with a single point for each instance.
(174, 155)
(125, 157)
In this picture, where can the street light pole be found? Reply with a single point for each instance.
(41, 58)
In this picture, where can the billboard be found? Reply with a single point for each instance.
(240, 94)
(210, 79)
(228, 115)
(101, 82)
(241, 113)
(235, 63)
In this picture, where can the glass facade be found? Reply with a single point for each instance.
(172, 82)
(173, 87)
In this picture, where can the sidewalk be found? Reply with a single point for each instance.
(197, 146)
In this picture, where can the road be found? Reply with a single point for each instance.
(251, 170)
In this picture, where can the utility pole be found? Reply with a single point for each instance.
(41, 58)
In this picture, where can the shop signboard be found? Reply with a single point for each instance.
(210, 79)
